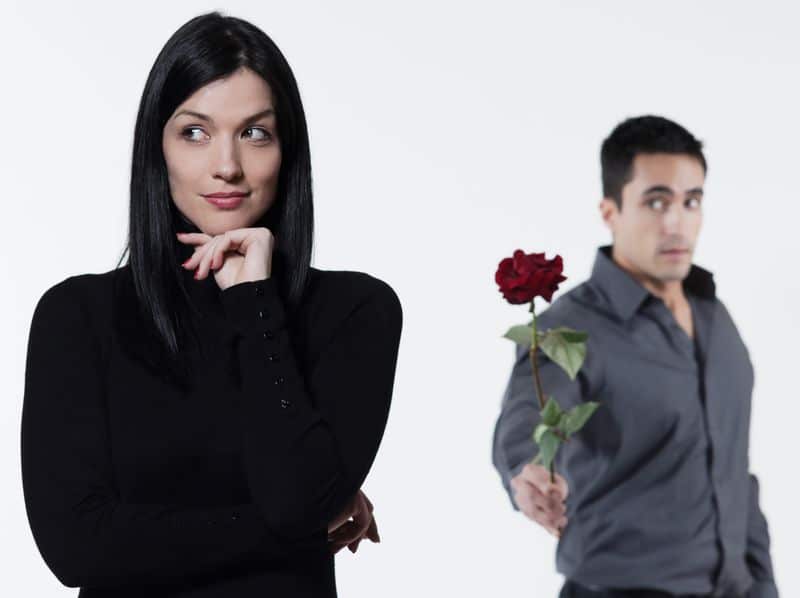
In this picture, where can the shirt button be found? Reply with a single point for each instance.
(234, 516)
(262, 314)
(268, 335)
(279, 380)
(259, 289)
(285, 403)
(273, 358)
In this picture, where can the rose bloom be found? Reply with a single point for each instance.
(525, 276)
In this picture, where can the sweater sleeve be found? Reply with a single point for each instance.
(311, 436)
(86, 535)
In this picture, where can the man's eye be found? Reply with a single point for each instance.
(693, 203)
(657, 203)
(265, 135)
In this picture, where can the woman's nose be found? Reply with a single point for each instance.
(226, 162)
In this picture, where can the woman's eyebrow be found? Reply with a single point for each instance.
(205, 117)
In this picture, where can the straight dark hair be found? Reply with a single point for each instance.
(647, 134)
(206, 48)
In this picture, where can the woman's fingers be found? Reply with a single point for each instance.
(344, 516)
(208, 256)
(344, 535)
(366, 499)
(193, 238)
(210, 253)
(353, 546)
(372, 531)
(214, 255)
(354, 529)
(201, 241)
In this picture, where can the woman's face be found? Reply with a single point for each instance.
(224, 138)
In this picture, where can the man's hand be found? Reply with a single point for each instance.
(539, 499)
(344, 531)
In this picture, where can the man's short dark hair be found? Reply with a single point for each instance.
(642, 135)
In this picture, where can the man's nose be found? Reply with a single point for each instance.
(673, 219)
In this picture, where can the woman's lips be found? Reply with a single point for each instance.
(226, 202)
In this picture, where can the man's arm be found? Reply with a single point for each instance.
(757, 553)
(513, 445)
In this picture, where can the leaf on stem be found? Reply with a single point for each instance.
(551, 413)
(548, 446)
(574, 419)
(566, 347)
(520, 334)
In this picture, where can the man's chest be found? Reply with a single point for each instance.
(658, 381)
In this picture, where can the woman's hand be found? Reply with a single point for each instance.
(344, 531)
(238, 255)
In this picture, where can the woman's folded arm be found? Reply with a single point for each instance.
(311, 436)
(87, 536)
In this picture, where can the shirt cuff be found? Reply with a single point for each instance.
(254, 306)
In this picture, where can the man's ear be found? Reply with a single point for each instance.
(608, 212)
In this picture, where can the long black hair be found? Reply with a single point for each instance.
(206, 48)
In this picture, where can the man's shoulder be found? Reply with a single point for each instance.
(577, 307)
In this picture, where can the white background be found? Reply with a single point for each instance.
(443, 137)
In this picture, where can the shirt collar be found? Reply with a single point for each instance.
(626, 294)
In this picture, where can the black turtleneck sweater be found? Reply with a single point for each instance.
(136, 487)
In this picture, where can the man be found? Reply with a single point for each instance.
(656, 498)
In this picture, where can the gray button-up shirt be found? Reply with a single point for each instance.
(660, 490)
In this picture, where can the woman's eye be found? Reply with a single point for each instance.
(261, 134)
(265, 135)
(187, 133)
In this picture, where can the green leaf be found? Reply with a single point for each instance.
(537, 460)
(548, 447)
(537, 433)
(574, 419)
(520, 334)
(566, 347)
(551, 412)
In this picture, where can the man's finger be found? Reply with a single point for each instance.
(561, 486)
(536, 475)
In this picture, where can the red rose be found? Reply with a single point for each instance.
(525, 276)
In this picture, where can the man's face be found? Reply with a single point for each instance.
(656, 230)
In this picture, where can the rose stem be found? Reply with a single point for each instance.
(536, 377)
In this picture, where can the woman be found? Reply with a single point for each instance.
(198, 422)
